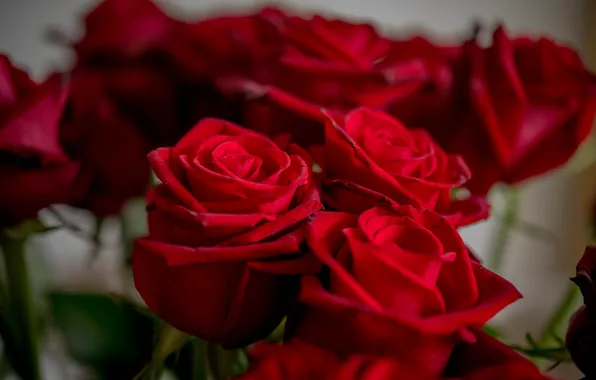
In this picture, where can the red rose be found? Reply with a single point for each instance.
(125, 30)
(243, 45)
(581, 334)
(338, 65)
(143, 59)
(489, 359)
(223, 256)
(130, 47)
(113, 150)
(296, 360)
(138, 84)
(370, 150)
(395, 276)
(485, 359)
(519, 108)
(563, 92)
(36, 172)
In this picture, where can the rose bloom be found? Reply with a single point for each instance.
(485, 359)
(111, 148)
(338, 65)
(343, 64)
(224, 253)
(514, 110)
(35, 169)
(132, 48)
(371, 155)
(581, 334)
(394, 275)
(518, 108)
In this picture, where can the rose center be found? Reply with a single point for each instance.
(392, 153)
(231, 159)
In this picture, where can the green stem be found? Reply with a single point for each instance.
(22, 303)
(200, 366)
(561, 315)
(497, 253)
(96, 239)
(213, 359)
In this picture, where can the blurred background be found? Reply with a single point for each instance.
(559, 205)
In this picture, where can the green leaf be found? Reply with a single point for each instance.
(30, 226)
(225, 364)
(110, 335)
(169, 341)
(277, 335)
(492, 331)
(133, 223)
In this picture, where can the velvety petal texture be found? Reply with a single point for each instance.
(223, 257)
(36, 171)
(395, 274)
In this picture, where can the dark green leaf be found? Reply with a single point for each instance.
(110, 335)
(26, 228)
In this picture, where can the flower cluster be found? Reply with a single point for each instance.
(307, 169)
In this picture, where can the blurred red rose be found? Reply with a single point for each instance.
(237, 45)
(223, 256)
(581, 334)
(341, 64)
(140, 82)
(370, 152)
(296, 360)
(112, 150)
(489, 359)
(395, 277)
(151, 69)
(517, 109)
(129, 46)
(35, 170)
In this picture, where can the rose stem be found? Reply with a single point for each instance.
(200, 364)
(213, 360)
(561, 315)
(497, 253)
(21, 301)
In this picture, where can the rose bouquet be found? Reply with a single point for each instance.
(305, 179)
